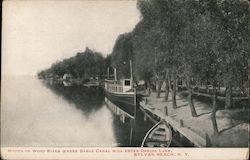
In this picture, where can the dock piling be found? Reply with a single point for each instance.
(166, 110)
(181, 123)
(208, 141)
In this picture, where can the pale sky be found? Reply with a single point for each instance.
(36, 34)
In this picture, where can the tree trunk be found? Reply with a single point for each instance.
(145, 85)
(159, 88)
(190, 97)
(148, 87)
(177, 84)
(206, 85)
(228, 100)
(173, 91)
(213, 114)
(167, 87)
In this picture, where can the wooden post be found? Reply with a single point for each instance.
(166, 110)
(135, 102)
(131, 136)
(208, 141)
(181, 123)
(181, 137)
(134, 122)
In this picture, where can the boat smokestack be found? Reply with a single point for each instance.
(108, 73)
(131, 72)
(115, 74)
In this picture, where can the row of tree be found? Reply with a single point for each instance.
(194, 42)
(83, 65)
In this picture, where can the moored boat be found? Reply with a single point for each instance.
(160, 135)
(92, 84)
(122, 94)
(123, 115)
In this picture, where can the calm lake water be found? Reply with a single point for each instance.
(38, 113)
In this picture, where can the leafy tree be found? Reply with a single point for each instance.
(235, 45)
(84, 65)
(122, 54)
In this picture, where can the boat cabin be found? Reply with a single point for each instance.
(124, 85)
(127, 85)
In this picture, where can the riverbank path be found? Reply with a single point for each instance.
(198, 130)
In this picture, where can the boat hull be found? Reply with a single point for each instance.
(124, 101)
(160, 135)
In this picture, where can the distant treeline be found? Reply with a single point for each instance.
(83, 65)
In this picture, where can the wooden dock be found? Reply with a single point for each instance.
(154, 114)
(197, 131)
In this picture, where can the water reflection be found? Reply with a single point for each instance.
(127, 132)
(87, 99)
(33, 115)
(36, 113)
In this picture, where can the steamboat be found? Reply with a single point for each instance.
(122, 93)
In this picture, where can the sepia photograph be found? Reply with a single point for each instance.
(125, 79)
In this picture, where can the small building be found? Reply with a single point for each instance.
(67, 76)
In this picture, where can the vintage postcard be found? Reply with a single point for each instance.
(125, 79)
